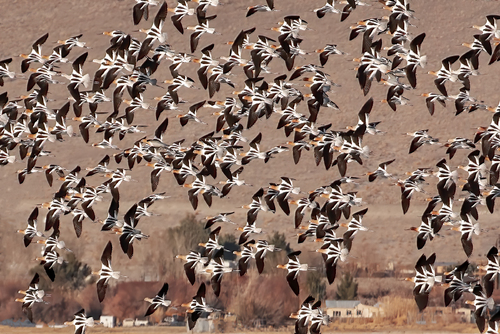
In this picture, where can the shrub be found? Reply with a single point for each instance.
(316, 284)
(347, 288)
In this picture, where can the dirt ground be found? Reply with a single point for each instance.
(447, 24)
(174, 330)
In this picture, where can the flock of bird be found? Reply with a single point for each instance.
(128, 68)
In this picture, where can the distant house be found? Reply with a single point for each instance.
(108, 321)
(129, 322)
(174, 320)
(141, 322)
(350, 309)
(466, 314)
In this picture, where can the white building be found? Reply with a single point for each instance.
(139, 322)
(108, 321)
(129, 322)
(350, 309)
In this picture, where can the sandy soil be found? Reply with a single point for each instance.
(447, 25)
